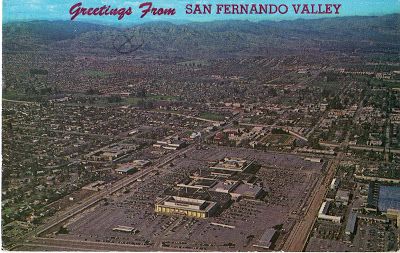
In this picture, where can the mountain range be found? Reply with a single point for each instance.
(378, 34)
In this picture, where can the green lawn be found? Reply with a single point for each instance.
(211, 116)
(11, 94)
(393, 85)
(132, 100)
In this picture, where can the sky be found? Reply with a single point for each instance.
(21, 10)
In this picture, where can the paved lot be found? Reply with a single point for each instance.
(288, 179)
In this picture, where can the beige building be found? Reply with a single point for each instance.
(175, 205)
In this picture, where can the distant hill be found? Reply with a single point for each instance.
(214, 39)
(51, 30)
(37, 34)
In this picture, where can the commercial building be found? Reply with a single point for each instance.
(267, 239)
(342, 196)
(334, 184)
(324, 208)
(198, 182)
(112, 153)
(170, 144)
(226, 186)
(95, 186)
(393, 214)
(132, 167)
(210, 190)
(190, 207)
(140, 163)
(246, 191)
(222, 174)
(373, 197)
(389, 198)
(231, 165)
(195, 135)
(126, 169)
(351, 223)
(323, 213)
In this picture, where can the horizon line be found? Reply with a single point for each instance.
(185, 21)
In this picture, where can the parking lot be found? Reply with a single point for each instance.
(288, 180)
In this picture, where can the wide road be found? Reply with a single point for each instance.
(19, 101)
(60, 217)
(298, 237)
(59, 244)
(94, 199)
(363, 147)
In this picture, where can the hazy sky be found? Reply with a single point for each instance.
(59, 9)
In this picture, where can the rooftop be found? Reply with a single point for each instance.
(231, 164)
(248, 190)
(266, 239)
(225, 186)
(187, 203)
(389, 198)
(351, 223)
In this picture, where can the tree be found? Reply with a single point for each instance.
(142, 93)
(63, 230)
(114, 99)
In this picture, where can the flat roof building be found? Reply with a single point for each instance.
(373, 196)
(351, 223)
(125, 169)
(334, 184)
(324, 208)
(140, 163)
(231, 164)
(266, 239)
(112, 152)
(342, 196)
(222, 174)
(323, 213)
(394, 215)
(389, 198)
(170, 144)
(225, 186)
(95, 186)
(198, 182)
(190, 207)
(247, 191)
